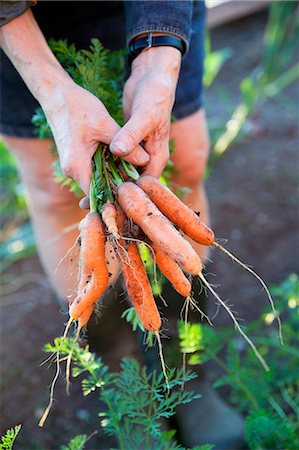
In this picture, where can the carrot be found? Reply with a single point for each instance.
(85, 316)
(94, 272)
(160, 231)
(109, 219)
(135, 278)
(176, 211)
(172, 272)
(139, 289)
(191, 225)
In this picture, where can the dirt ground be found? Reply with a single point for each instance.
(253, 192)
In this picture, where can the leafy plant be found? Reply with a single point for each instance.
(77, 443)
(9, 438)
(270, 399)
(135, 400)
(269, 78)
(17, 239)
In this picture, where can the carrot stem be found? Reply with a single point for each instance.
(110, 196)
(92, 196)
(116, 177)
(130, 170)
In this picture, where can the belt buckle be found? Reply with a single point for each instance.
(149, 40)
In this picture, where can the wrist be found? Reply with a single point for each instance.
(162, 60)
(49, 84)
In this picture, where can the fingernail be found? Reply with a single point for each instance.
(120, 147)
(141, 157)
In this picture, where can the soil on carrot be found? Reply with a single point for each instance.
(252, 192)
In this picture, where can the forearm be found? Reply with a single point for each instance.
(24, 44)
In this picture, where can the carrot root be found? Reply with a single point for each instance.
(176, 211)
(276, 314)
(162, 360)
(109, 218)
(237, 326)
(138, 207)
(52, 388)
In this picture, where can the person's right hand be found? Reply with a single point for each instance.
(79, 121)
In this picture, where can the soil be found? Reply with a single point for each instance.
(253, 192)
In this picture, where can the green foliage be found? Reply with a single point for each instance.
(19, 244)
(269, 78)
(77, 443)
(270, 399)
(17, 239)
(214, 61)
(135, 400)
(131, 317)
(265, 430)
(12, 195)
(8, 439)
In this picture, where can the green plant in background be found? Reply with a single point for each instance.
(77, 443)
(269, 78)
(269, 399)
(135, 400)
(9, 438)
(16, 239)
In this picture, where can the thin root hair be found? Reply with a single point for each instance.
(162, 360)
(66, 230)
(203, 315)
(237, 326)
(67, 254)
(246, 267)
(52, 388)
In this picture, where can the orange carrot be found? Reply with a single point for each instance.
(109, 219)
(160, 231)
(135, 278)
(94, 272)
(172, 272)
(176, 211)
(139, 288)
(85, 316)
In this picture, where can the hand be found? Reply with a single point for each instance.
(147, 101)
(79, 121)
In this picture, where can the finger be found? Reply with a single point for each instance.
(138, 157)
(78, 168)
(84, 203)
(159, 152)
(131, 134)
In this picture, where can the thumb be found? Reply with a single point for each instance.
(129, 136)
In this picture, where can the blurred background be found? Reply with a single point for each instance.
(251, 100)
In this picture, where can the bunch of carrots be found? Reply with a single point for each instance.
(130, 209)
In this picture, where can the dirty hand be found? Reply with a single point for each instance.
(147, 101)
(79, 121)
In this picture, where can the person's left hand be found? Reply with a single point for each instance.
(147, 101)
